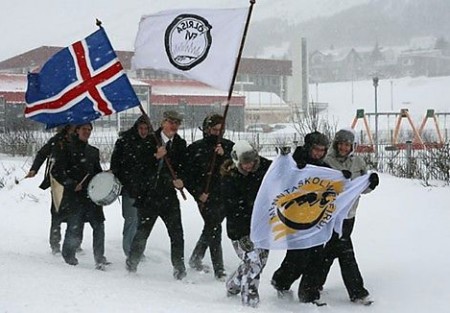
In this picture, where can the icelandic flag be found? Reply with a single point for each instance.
(299, 209)
(79, 84)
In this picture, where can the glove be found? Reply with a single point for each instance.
(301, 164)
(373, 180)
(347, 174)
(284, 150)
(246, 244)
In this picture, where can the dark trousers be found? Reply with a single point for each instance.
(130, 223)
(211, 237)
(169, 211)
(55, 228)
(342, 249)
(296, 263)
(74, 233)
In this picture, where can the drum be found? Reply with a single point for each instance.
(104, 188)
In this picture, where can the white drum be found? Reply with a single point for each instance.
(104, 188)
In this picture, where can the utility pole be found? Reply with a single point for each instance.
(375, 85)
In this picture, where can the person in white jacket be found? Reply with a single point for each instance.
(341, 157)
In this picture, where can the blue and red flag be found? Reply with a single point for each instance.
(79, 84)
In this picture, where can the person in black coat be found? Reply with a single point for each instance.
(158, 197)
(75, 165)
(201, 154)
(241, 178)
(45, 154)
(128, 161)
(304, 262)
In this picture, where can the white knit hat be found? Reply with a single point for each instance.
(243, 152)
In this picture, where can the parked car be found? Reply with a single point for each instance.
(259, 128)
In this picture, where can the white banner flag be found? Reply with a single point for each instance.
(201, 44)
(298, 209)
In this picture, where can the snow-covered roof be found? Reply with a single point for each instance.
(13, 82)
(261, 99)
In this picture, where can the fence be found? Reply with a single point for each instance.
(425, 164)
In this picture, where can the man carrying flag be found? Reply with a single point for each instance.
(79, 84)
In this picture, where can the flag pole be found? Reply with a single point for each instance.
(230, 92)
(152, 131)
(158, 144)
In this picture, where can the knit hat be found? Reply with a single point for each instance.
(243, 152)
(211, 121)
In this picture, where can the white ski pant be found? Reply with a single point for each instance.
(245, 279)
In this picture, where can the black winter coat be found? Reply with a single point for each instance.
(157, 182)
(72, 163)
(200, 154)
(45, 153)
(239, 193)
(129, 158)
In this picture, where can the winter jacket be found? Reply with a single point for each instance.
(200, 154)
(72, 163)
(45, 153)
(353, 163)
(130, 154)
(157, 181)
(239, 192)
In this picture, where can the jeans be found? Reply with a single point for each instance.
(130, 223)
(74, 231)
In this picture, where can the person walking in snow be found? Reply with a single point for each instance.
(75, 166)
(341, 157)
(200, 155)
(241, 179)
(45, 154)
(303, 262)
(157, 196)
(128, 161)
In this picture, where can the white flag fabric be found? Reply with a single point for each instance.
(299, 208)
(201, 44)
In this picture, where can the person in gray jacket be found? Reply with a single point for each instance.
(341, 157)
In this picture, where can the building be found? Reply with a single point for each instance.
(159, 91)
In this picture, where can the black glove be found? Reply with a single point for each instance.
(373, 180)
(246, 244)
(301, 164)
(347, 174)
(284, 150)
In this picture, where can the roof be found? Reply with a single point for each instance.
(265, 67)
(37, 57)
(189, 91)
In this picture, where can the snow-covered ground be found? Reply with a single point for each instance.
(400, 241)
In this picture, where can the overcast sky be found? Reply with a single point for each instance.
(28, 24)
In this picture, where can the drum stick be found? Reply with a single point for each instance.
(81, 182)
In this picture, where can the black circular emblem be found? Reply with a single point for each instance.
(187, 41)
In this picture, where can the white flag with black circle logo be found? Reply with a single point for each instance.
(201, 44)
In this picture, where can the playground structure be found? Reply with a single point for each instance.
(418, 141)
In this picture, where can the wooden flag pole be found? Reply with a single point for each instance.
(230, 92)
